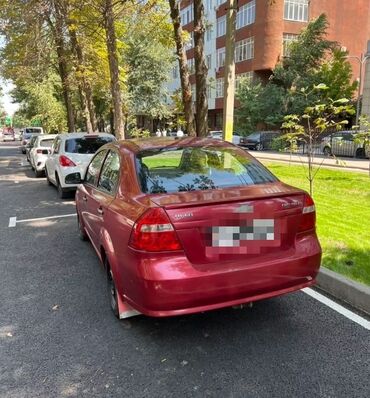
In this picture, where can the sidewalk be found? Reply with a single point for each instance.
(350, 164)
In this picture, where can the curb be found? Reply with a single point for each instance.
(355, 294)
(324, 165)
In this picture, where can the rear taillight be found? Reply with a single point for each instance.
(38, 150)
(153, 232)
(308, 217)
(64, 161)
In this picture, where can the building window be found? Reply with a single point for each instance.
(296, 10)
(190, 43)
(209, 91)
(247, 76)
(244, 49)
(288, 39)
(246, 14)
(209, 61)
(191, 65)
(187, 15)
(220, 87)
(220, 61)
(219, 2)
(209, 5)
(209, 33)
(193, 93)
(221, 26)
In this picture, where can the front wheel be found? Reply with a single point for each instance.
(81, 229)
(327, 151)
(259, 147)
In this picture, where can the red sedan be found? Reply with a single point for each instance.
(190, 225)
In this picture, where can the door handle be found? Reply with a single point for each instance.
(84, 198)
(100, 211)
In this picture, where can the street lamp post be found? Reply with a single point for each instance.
(362, 59)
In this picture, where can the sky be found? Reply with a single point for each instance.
(6, 99)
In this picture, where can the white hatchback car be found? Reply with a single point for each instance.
(40, 150)
(70, 155)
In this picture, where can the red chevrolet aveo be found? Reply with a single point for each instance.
(190, 225)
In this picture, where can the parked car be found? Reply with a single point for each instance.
(69, 157)
(8, 134)
(258, 140)
(218, 134)
(190, 225)
(27, 133)
(40, 148)
(343, 143)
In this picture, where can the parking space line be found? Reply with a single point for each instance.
(13, 220)
(338, 308)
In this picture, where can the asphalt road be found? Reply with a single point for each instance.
(58, 337)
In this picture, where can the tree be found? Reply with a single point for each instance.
(312, 60)
(201, 70)
(313, 123)
(183, 67)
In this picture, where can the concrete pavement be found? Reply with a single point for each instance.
(58, 337)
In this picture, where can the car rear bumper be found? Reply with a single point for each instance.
(176, 288)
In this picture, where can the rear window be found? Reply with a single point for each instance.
(87, 145)
(196, 168)
(32, 130)
(47, 143)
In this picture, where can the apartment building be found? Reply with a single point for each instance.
(264, 31)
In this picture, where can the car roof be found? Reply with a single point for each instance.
(138, 145)
(80, 135)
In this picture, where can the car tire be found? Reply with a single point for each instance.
(360, 153)
(112, 291)
(62, 193)
(81, 230)
(47, 177)
(259, 147)
(38, 173)
(23, 151)
(327, 151)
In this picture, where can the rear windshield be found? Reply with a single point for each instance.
(86, 145)
(47, 143)
(32, 130)
(195, 168)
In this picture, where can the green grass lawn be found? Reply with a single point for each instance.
(342, 201)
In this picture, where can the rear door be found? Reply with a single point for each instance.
(53, 158)
(102, 195)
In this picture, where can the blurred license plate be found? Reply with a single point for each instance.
(232, 236)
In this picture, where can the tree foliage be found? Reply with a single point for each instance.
(59, 52)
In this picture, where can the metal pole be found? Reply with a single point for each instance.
(359, 91)
(229, 72)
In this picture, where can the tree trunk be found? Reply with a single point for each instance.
(201, 70)
(183, 67)
(88, 107)
(62, 62)
(111, 40)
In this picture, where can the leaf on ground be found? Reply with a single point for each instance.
(55, 307)
(9, 334)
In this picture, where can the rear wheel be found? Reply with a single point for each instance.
(360, 153)
(47, 177)
(62, 193)
(112, 291)
(38, 173)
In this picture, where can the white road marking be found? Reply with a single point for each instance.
(337, 307)
(13, 220)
